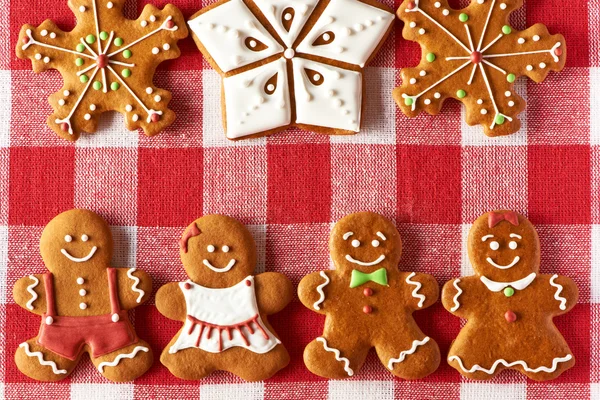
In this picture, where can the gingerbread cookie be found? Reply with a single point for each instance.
(474, 56)
(83, 303)
(291, 63)
(223, 306)
(368, 303)
(509, 305)
(107, 63)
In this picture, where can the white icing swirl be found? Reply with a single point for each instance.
(404, 353)
(458, 293)
(337, 356)
(559, 288)
(34, 295)
(415, 292)
(320, 290)
(120, 357)
(523, 364)
(40, 358)
(134, 286)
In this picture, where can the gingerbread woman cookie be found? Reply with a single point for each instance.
(508, 304)
(83, 303)
(107, 63)
(223, 307)
(368, 303)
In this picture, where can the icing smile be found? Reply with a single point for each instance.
(366, 264)
(224, 269)
(512, 264)
(75, 259)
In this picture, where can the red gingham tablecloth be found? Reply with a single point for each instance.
(431, 175)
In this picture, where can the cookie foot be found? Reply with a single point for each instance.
(412, 359)
(41, 364)
(127, 363)
(328, 358)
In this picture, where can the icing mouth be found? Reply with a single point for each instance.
(365, 264)
(512, 264)
(224, 269)
(75, 259)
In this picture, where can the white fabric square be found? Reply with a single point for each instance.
(239, 391)
(493, 391)
(124, 246)
(595, 275)
(466, 268)
(595, 391)
(111, 133)
(360, 390)
(5, 107)
(595, 105)
(4, 289)
(101, 391)
(259, 234)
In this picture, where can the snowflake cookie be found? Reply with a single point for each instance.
(293, 63)
(474, 55)
(107, 63)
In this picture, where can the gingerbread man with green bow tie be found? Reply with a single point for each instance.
(369, 303)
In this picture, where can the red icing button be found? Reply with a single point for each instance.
(367, 309)
(558, 51)
(102, 60)
(170, 24)
(155, 117)
(510, 316)
(248, 283)
(476, 57)
(187, 286)
(25, 40)
(368, 292)
(411, 5)
(64, 127)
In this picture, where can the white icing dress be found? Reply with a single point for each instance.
(218, 319)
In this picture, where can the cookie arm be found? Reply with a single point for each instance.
(423, 290)
(563, 292)
(134, 287)
(452, 293)
(274, 291)
(30, 294)
(170, 302)
(312, 291)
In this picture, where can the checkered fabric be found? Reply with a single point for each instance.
(431, 175)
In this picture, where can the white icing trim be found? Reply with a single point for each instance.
(498, 286)
(512, 264)
(486, 237)
(456, 296)
(78, 260)
(514, 235)
(381, 235)
(337, 356)
(415, 292)
(40, 358)
(523, 364)
(494, 66)
(34, 295)
(224, 269)
(97, 26)
(160, 28)
(559, 288)
(487, 84)
(551, 52)
(492, 42)
(487, 21)
(136, 281)
(365, 264)
(148, 111)
(67, 120)
(439, 25)
(347, 235)
(116, 361)
(404, 353)
(33, 41)
(320, 290)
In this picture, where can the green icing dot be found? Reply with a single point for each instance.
(115, 86)
(97, 85)
(506, 29)
(103, 35)
(79, 62)
(90, 39)
(499, 119)
(509, 291)
(84, 78)
(408, 101)
(127, 53)
(80, 47)
(461, 94)
(126, 73)
(118, 41)
(511, 78)
(430, 57)
(463, 17)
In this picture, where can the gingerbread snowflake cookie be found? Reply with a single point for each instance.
(107, 63)
(291, 63)
(509, 305)
(474, 55)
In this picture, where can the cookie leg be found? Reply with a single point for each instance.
(41, 364)
(125, 364)
(335, 356)
(189, 364)
(258, 367)
(409, 359)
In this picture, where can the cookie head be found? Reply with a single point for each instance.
(217, 251)
(365, 241)
(76, 240)
(504, 246)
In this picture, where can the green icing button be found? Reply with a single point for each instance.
(90, 39)
(461, 94)
(463, 17)
(79, 62)
(80, 47)
(84, 78)
(118, 41)
(97, 85)
(126, 73)
(511, 78)
(430, 57)
(509, 291)
(506, 29)
(408, 101)
(127, 53)
(115, 86)
(500, 121)
(103, 35)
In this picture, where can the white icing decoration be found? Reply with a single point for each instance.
(134, 286)
(226, 268)
(381, 235)
(529, 68)
(117, 359)
(227, 307)
(38, 56)
(166, 46)
(355, 243)
(92, 107)
(404, 353)
(143, 23)
(135, 117)
(289, 53)
(49, 320)
(521, 40)
(81, 8)
(559, 288)
(78, 260)
(445, 12)
(523, 364)
(115, 317)
(494, 264)
(109, 4)
(44, 32)
(149, 90)
(480, 101)
(422, 73)
(499, 286)
(347, 235)
(503, 6)
(514, 235)
(317, 303)
(128, 108)
(512, 245)
(437, 4)
(157, 98)
(225, 249)
(87, 117)
(494, 246)
(83, 306)
(421, 31)
(511, 104)
(155, 50)
(365, 264)
(507, 93)
(80, 281)
(375, 243)
(152, 18)
(40, 358)
(413, 81)
(61, 102)
(52, 35)
(415, 292)
(46, 60)
(459, 291)
(427, 102)
(542, 65)
(536, 38)
(273, 10)
(412, 24)
(337, 354)
(483, 111)
(82, 292)
(34, 295)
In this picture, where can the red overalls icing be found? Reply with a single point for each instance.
(104, 334)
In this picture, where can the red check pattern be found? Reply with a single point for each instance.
(431, 175)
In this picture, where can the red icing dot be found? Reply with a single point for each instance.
(476, 57)
(102, 61)
(25, 40)
(367, 309)
(187, 286)
(170, 24)
(248, 283)
(558, 51)
(64, 127)
(368, 292)
(155, 117)
(510, 316)
(411, 5)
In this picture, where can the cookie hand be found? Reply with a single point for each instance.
(170, 302)
(30, 294)
(564, 293)
(452, 293)
(274, 291)
(312, 291)
(134, 286)
(422, 290)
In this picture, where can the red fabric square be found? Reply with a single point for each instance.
(4, 184)
(169, 186)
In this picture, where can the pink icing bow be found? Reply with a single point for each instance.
(510, 216)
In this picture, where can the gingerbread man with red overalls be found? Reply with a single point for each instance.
(508, 304)
(368, 303)
(83, 303)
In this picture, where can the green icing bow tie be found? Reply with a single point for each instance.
(360, 278)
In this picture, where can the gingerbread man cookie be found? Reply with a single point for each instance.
(107, 63)
(223, 306)
(368, 303)
(508, 304)
(83, 303)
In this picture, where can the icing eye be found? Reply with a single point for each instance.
(494, 245)
(68, 238)
(225, 249)
(84, 238)
(210, 248)
(271, 85)
(512, 245)
(325, 38)
(254, 44)
(287, 18)
(314, 77)
(375, 243)
(355, 243)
